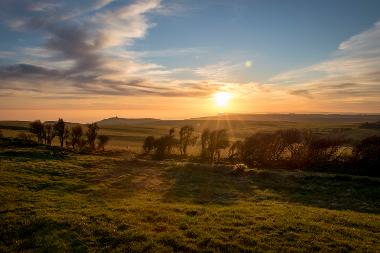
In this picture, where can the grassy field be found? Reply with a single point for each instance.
(54, 201)
(131, 136)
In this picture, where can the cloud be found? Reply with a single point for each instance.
(351, 73)
(301, 92)
(218, 71)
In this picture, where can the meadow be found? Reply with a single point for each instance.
(129, 134)
(57, 200)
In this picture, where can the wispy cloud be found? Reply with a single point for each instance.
(351, 74)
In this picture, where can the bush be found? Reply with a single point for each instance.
(366, 155)
(149, 144)
(102, 141)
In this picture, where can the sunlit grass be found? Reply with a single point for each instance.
(117, 203)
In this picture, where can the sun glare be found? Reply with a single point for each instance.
(222, 98)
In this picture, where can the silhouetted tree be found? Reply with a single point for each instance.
(171, 141)
(37, 128)
(92, 132)
(102, 141)
(323, 149)
(235, 150)
(219, 140)
(66, 136)
(82, 143)
(186, 138)
(1, 134)
(367, 155)
(149, 144)
(59, 128)
(292, 139)
(49, 133)
(76, 135)
(205, 142)
(164, 144)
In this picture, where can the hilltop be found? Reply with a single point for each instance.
(125, 121)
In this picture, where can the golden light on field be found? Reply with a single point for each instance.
(222, 98)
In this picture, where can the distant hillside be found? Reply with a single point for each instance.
(124, 121)
(295, 117)
(368, 125)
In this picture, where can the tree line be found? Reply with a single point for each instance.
(71, 137)
(288, 148)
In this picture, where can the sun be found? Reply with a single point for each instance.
(222, 98)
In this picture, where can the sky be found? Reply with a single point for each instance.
(92, 59)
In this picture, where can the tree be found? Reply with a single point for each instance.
(59, 128)
(76, 135)
(171, 140)
(205, 142)
(219, 140)
(1, 134)
(149, 144)
(164, 145)
(37, 128)
(49, 134)
(291, 139)
(235, 150)
(102, 141)
(92, 132)
(66, 136)
(186, 138)
(367, 154)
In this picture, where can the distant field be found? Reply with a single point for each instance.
(52, 201)
(131, 136)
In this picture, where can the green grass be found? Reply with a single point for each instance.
(54, 201)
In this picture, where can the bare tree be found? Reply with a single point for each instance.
(186, 138)
(59, 128)
(66, 136)
(49, 133)
(219, 140)
(37, 128)
(76, 135)
(205, 142)
(92, 132)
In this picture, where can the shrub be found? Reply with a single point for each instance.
(149, 144)
(367, 155)
(102, 141)
(164, 145)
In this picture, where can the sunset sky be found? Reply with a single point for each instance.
(87, 60)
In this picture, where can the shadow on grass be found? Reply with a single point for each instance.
(204, 184)
(35, 154)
